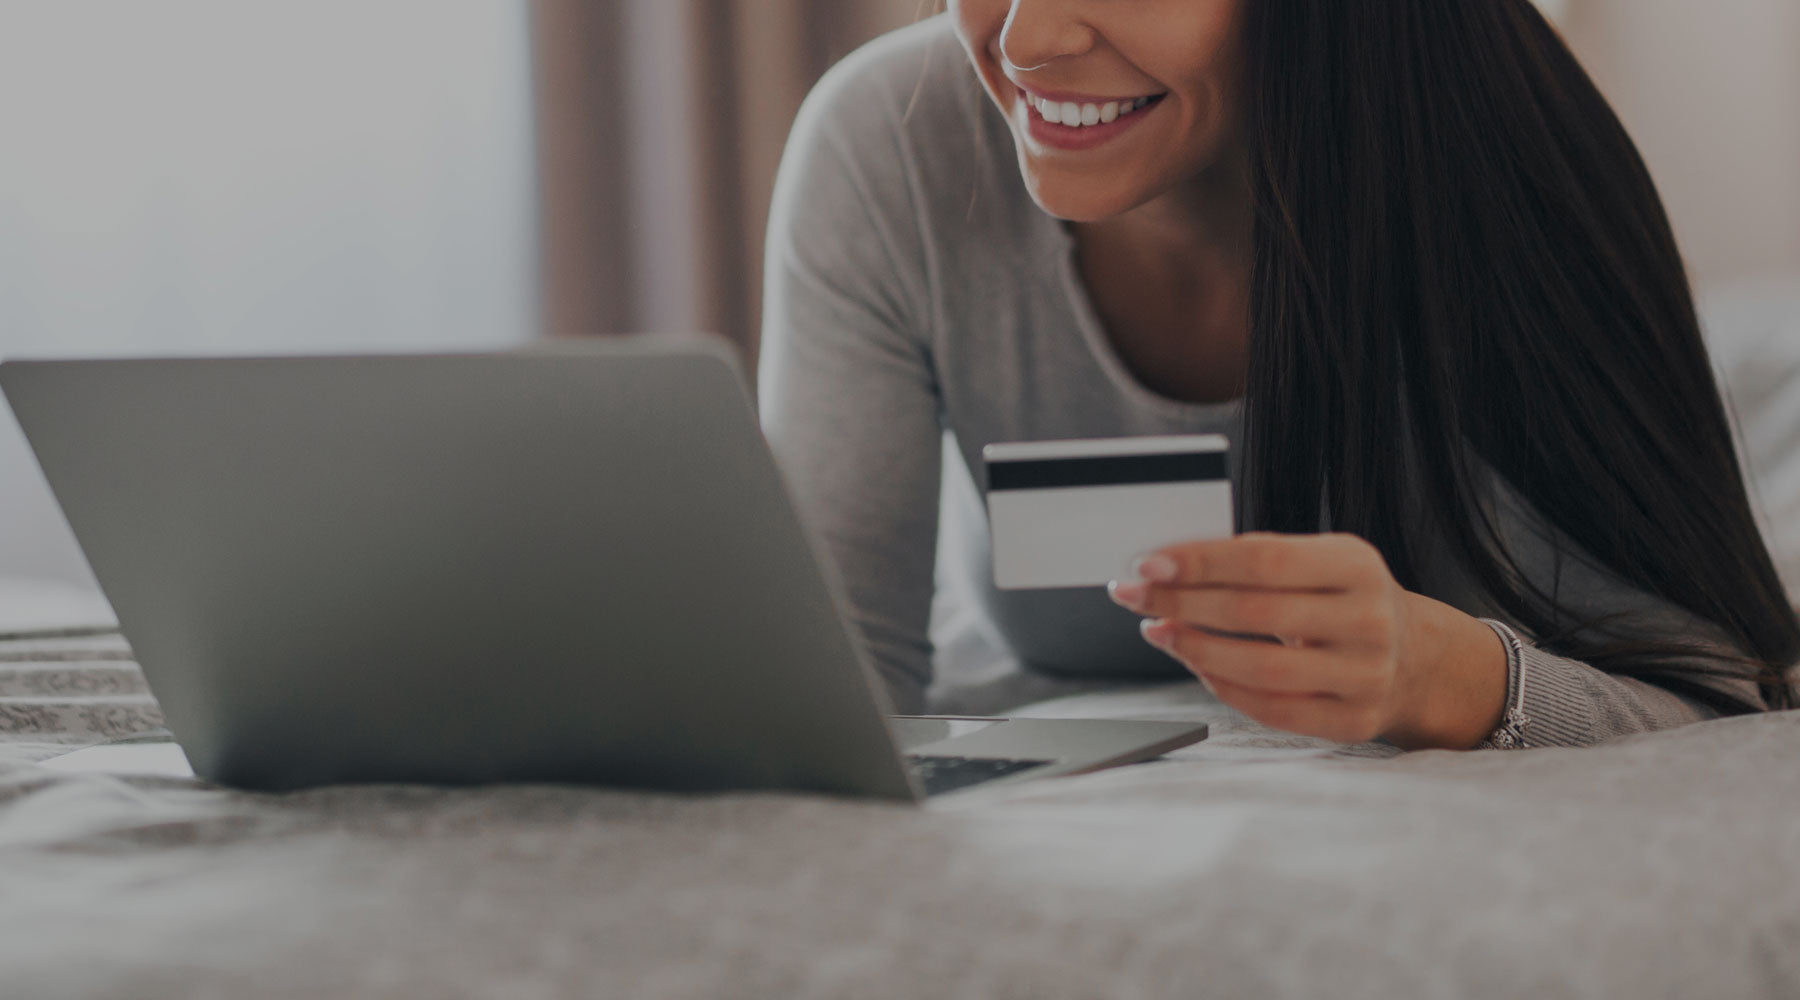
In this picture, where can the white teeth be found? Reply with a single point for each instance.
(1084, 115)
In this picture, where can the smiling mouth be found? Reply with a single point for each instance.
(1072, 115)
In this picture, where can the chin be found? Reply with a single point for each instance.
(1078, 201)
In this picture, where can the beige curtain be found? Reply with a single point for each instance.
(660, 126)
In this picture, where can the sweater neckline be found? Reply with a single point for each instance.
(1100, 345)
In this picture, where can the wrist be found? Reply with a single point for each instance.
(1453, 675)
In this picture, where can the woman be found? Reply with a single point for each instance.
(1401, 253)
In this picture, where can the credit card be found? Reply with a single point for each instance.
(1076, 513)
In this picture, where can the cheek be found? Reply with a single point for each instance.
(979, 22)
(978, 26)
(1222, 60)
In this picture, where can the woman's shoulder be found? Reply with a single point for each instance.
(905, 120)
(914, 76)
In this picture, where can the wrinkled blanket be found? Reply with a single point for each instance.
(1252, 865)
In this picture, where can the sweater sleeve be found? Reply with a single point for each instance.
(1573, 703)
(848, 396)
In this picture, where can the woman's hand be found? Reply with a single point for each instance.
(1311, 634)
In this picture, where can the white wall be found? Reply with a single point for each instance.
(1710, 90)
(191, 176)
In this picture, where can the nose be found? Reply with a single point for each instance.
(1039, 32)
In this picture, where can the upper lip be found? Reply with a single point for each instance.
(1062, 97)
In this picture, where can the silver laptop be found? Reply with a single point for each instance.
(570, 564)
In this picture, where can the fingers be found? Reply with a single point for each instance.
(1329, 718)
(1264, 667)
(1319, 618)
(1298, 690)
(1330, 598)
(1268, 561)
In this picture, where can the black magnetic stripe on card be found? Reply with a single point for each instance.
(1116, 470)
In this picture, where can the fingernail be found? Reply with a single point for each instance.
(1155, 631)
(1130, 595)
(1156, 567)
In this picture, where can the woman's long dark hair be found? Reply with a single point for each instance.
(1458, 248)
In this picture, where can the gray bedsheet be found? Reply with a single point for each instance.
(1252, 865)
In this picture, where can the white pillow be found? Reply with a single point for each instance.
(1753, 332)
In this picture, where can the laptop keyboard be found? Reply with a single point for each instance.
(944, 774)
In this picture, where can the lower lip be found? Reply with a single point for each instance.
(1077, 138)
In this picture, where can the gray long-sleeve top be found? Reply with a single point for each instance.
(914, 288)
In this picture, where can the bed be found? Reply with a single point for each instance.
(1254, 864)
